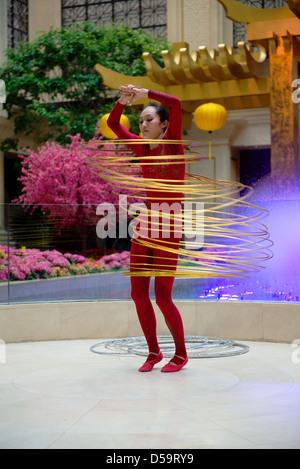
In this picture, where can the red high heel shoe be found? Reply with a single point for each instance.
(148, 366)
(172, 367)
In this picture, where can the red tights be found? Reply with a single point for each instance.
(145, 258)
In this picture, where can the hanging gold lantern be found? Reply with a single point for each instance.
(210, 117)
(106, 131)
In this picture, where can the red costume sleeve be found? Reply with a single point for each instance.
(113, 123)
(174, 131)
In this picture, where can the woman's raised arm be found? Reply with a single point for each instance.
(174, 131)
(114, 124)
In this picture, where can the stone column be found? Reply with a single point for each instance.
(175, 20)
(42, 15)
(3, 29)
(221, 28)
(284, 116)
(205, 24)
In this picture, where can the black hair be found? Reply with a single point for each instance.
(161, 111)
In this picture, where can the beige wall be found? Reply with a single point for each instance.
(3, 29)
(199, 23)
(274, 322)
(42, 15)
(175, 18)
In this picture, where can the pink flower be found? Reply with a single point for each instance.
(16, 273)
(32, 263)
(114, 265)
(3, 274)
(75, 258)
(60, 261)
(63, 183)
(105, 259)
(44, 267)
(125, 255)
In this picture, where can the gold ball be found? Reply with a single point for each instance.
(210, 117)
(106, 131)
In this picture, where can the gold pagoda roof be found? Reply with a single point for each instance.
(235, 77)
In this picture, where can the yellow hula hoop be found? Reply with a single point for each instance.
(230, 244)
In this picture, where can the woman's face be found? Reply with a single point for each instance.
(151, 125)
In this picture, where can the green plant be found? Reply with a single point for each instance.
(52, 88)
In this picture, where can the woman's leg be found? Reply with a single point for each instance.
(141, 259)
(164, 260)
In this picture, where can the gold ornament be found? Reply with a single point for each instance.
(106, 131)
(210, 117)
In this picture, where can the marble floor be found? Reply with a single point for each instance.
(60, 395)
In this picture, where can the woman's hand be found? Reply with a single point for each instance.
(131, 93)
(126, 96)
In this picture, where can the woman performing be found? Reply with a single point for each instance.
(159, 252)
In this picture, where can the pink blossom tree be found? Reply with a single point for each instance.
(59, 181)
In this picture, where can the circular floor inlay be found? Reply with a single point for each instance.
(197, 347)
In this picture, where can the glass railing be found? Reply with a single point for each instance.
(60, 254)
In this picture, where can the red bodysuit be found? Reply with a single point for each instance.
(155, 256)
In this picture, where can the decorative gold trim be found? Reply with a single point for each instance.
(241, 13)
(241, 76)
(200, 66)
